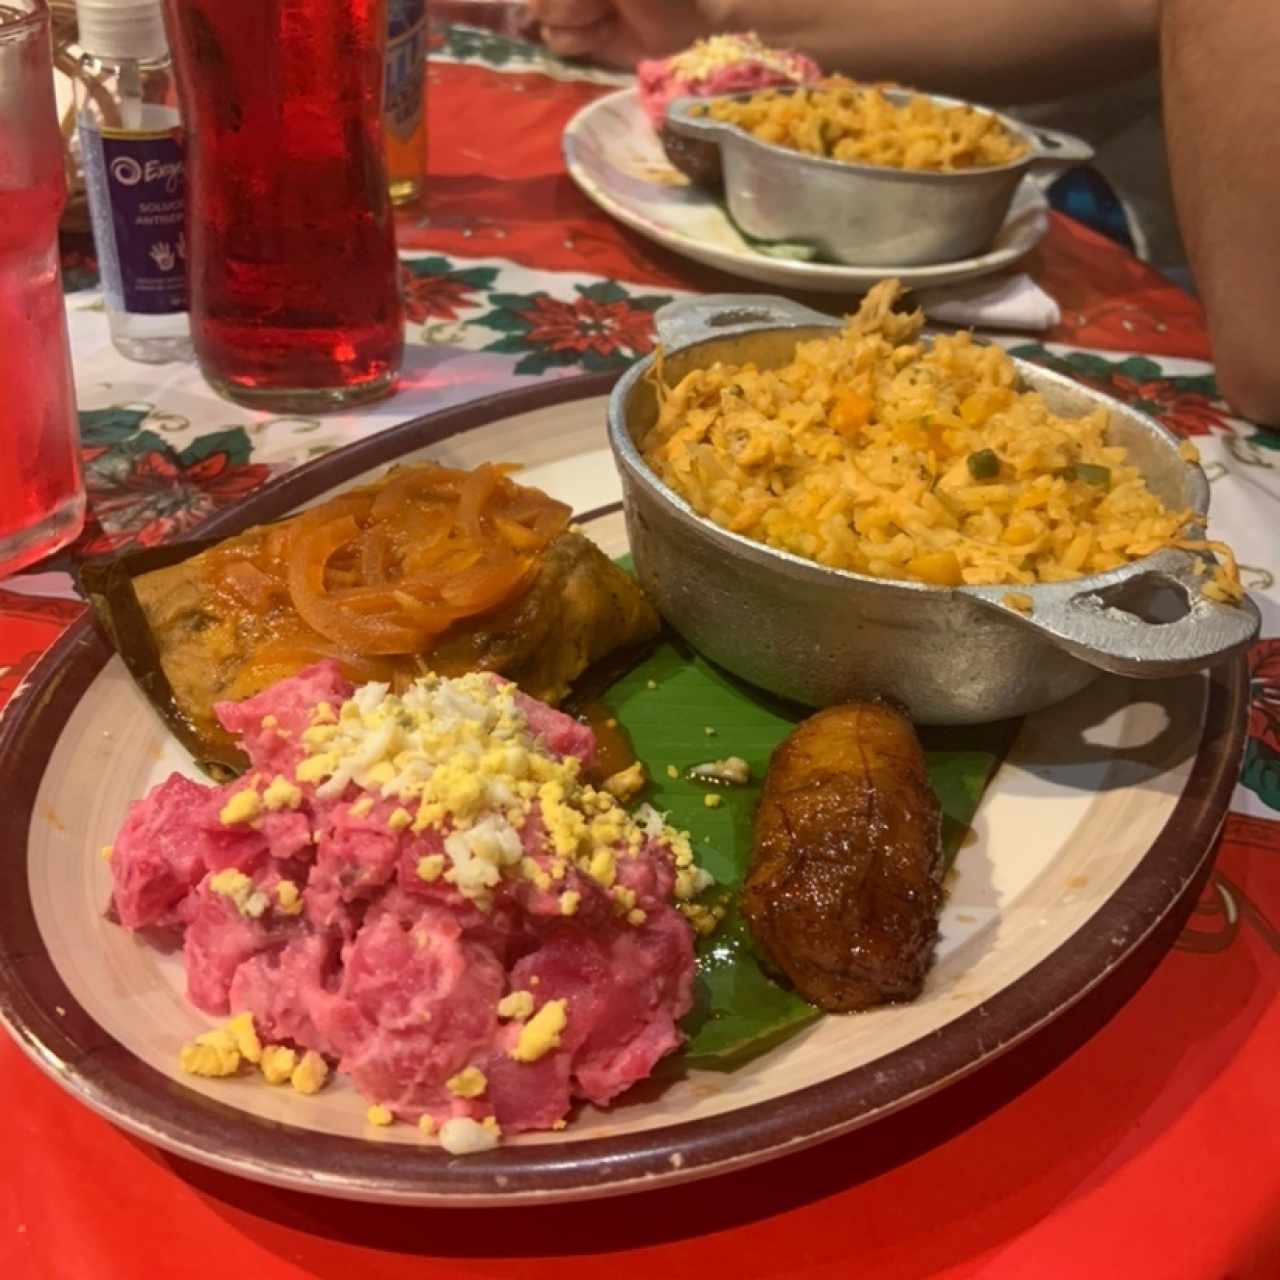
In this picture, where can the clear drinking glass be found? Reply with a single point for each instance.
(41, 492)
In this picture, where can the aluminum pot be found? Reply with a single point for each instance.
(949, 655)
(867, 215)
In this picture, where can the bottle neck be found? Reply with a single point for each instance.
(116, 64)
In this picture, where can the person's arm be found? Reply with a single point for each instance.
(1221, 85)
(1002, 51)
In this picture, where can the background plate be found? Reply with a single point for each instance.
(614, 156)
(1090, 834)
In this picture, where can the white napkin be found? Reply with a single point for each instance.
(992, 302)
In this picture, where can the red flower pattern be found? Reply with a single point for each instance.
(587, 325)
(434, 297)
(1186, 413)
(1264, 683)
(162, 498)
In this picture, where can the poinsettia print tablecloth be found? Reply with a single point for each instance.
(1142, 1141)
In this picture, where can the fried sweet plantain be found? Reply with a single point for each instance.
(845, 882)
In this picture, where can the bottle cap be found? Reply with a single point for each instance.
(121, 28)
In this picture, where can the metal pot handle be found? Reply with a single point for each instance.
(720, 315)
(1053, 152)
(1151, 619)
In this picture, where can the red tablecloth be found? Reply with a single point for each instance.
(1139, 1136)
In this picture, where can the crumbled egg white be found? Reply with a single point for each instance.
(249, 900)
(733, 770)
(462, 1136)
(456, 755)
(716, 53)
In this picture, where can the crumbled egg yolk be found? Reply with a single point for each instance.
(457, 756)
(244, 806)
(310, 1073)
(431, 867)
(281, 794)
(626, 782)
(712, 801)
(569, 901)
(278, 1062)
(379, 1115)
(248, 899)
(427, 1125)
(212, 1053)
(717, 53)
(220, 1052)
(518, 1005)
(288, 898)
(106, 852)
(470, 1082)
(541, 1033)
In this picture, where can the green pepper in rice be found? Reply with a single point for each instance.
(1090, 473)
(984, 465)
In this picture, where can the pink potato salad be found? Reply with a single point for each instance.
(719, 64)
(421, 890)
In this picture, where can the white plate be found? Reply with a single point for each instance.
(615, 157)
(1093, 831)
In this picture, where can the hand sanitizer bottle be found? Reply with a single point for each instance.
(131, 149)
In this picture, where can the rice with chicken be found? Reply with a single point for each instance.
(875, 452)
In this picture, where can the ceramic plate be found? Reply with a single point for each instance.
(1093, 830)
(614, 155)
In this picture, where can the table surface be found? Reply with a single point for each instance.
(1137, 1136)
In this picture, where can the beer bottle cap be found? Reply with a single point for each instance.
(115, 29)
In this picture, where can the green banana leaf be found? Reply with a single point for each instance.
(680, 710)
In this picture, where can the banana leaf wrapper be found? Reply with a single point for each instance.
(582, 617)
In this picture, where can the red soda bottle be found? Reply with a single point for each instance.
(294, 280)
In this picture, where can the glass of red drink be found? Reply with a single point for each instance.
(41, 493)
(295, 299)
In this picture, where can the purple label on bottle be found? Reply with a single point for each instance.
(137, 201)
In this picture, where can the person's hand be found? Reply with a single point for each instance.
(618, 33)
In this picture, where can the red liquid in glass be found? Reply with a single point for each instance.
(41, 502)
(291, 245)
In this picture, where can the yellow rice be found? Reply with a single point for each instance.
(857, 124)
(860, 454)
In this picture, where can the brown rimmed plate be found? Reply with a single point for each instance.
(1091, 834)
